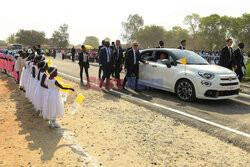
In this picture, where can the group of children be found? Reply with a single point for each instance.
(38, 82)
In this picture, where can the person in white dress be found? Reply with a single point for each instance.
(53, 106)
(42, 87)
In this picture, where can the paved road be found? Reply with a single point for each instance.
(233, 113)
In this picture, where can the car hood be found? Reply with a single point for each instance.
(210, 68)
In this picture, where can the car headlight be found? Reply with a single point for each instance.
(206, 75)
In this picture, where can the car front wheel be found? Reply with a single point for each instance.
(185, 90)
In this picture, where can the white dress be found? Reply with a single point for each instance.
(29, 77)
(53, 106)
(23, 80)
(33, 85)
(41, 93)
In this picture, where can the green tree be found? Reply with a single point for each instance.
(214, 31)
(175, 36)
(11, 39)
(131, 27)
(149, 36)
(240, 30)
(193, 21)
(60, 37)
(92, 41)
(30, 37)
(3, 43)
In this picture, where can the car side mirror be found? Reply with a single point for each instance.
(167, 62)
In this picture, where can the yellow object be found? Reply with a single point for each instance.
(59, 79)
(66, 86)
(79, 99)
(88, 47)
(183, 61)
(49, 62)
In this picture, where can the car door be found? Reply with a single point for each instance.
(161, 74)
(144, 70)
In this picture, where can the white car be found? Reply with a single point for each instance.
(196, 79)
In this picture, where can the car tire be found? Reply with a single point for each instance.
(185, 90)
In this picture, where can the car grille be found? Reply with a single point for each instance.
(228, 78)
(229, 84)
(229, 93)
(215, 93)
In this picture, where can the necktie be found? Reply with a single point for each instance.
(230, 53)
(134, 57)
(107, 54)
(117, 55)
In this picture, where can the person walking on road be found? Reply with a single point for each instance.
(118, 60)
(227, 58)
(84, 63)
(99, 50)
(239, 59)
(73, 52)
(106, 61)
(63, 56)
(132, 60)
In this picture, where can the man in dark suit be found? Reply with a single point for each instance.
(239, 59)
(118, 56)
(84, 63)
(106, 61)
(227, 58)
(183, 45)
(161, 44)
(73, 52)
(132, 60)
(99, 50)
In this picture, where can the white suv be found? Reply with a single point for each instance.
(196, 79)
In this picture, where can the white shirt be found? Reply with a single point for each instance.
(108, 54)
(134, 56)
(85, 57)
(230, 51)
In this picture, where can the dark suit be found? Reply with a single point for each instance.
(118, 56)
(100, 68)
(239, 60)
(181, 47)
(84, 65)
(73, 52)
(132, 65)
(227, 60)
(106, 61)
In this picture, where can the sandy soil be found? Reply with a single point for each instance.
(106, 131)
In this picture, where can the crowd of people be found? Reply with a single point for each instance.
(37, 80)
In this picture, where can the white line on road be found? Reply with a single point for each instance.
(175, 111)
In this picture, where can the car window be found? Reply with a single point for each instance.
(163, 55)
(147, 56)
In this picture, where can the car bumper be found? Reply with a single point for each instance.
(221, 88)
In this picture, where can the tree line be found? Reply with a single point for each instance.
(203, 33)
(59, 39)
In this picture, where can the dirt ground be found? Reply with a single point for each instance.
(106, 131)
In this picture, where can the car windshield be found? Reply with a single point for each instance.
(192, 58)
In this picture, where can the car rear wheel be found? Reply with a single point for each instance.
(185, 90)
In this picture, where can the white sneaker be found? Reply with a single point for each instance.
(56, 125)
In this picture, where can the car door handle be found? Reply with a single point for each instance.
(154, 66)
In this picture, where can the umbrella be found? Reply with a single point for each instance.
(88, 47)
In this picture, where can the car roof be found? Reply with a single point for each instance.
(159, 49)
